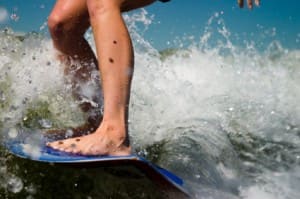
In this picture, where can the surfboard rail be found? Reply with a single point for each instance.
(171, 184)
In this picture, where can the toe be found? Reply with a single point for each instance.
(68, 150)
(53, 145)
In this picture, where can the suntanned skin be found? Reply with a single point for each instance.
(68, 22)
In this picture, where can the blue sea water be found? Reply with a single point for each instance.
(179, 19)
(215, 95)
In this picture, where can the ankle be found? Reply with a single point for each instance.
(117, 118)
(117, 130)
(113, 127)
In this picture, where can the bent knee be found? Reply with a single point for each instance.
(56, 26)
(60, 26)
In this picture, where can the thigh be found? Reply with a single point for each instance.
(72, 14)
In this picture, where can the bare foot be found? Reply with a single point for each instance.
(106, 140)
(58, 134)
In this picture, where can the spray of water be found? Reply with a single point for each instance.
(223, 116)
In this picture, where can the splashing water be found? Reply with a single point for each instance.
(3, 15)
(224, 117)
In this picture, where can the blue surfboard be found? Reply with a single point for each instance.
(169, 183)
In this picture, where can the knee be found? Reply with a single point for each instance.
(62, 28)
(99, 8)
(56, 26)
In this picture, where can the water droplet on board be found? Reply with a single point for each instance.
(2, 96)
(32, 150)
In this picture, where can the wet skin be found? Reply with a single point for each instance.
(67, 24)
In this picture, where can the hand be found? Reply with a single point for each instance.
(249, 3)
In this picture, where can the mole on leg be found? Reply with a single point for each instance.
(111, 60)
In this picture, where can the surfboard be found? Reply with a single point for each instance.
(171, 185)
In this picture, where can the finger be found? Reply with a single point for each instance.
(257, 2)
(250, 4)
(241, 3)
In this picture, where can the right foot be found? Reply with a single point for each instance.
(70, 132)
(106, 140)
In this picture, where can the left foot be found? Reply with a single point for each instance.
(106, 140)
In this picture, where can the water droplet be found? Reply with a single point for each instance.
(13, 133)
(3, 15)
(69, 133)
(31, 189)
(14, 184)
(3, 169)
(32, 150)
(231, 109)
(14, 17)
(2, 96)
(45, 123)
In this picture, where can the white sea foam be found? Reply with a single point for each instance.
(227, 115)
(209, 92)
(15, 184)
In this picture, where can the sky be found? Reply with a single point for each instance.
(181, 18)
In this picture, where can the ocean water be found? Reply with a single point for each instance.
(222, 115)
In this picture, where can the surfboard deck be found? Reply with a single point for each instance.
(169, 183)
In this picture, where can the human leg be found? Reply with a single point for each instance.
(115, 53)
(67, 23)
